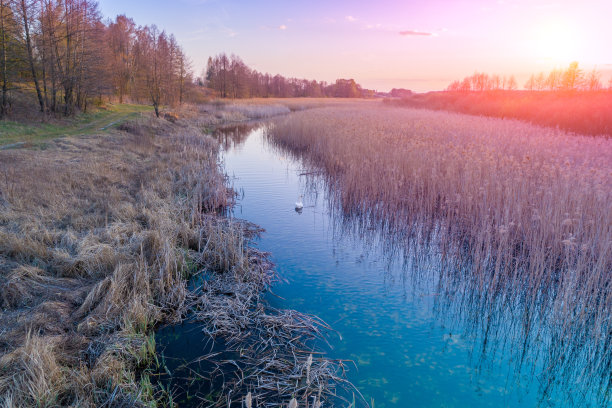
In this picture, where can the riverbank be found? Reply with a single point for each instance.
(100, 235)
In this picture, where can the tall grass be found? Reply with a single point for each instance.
(97, 235)
(520, 218)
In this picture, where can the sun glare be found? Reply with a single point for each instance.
(556, 42)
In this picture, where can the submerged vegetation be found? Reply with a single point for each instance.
(517, 216)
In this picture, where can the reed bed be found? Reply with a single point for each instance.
(519, 218)
(233, 112)
(99, 238)
(223, 111)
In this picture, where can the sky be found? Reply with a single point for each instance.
(420, 45)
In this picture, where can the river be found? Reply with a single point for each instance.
(406, 352)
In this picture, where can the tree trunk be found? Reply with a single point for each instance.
(4, 59)
(26, 26)
(68, 81)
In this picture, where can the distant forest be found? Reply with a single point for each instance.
(230, 77)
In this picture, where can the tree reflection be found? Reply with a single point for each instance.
(234, 135)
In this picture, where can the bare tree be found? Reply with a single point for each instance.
(512, 84)
(540, 82)
(593, 81)
(530, 85)
(72, 57)
(184, 72)
(553, 81)
(121, 37)
(26, 9)
(6, 35)
(572, 77)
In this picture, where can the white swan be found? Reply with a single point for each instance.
(299, 205)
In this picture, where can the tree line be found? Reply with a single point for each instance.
(483, 82)
(230, 77)
(570, 79)
(62, 53)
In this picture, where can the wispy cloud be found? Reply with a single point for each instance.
(231, 33)
(415, 33)
(350, 19)
(282, 27)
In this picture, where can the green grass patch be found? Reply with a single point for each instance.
(22, 134)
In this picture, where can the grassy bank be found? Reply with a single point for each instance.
(518, 218)
(580, 112)
(28, 133)
(100, 233)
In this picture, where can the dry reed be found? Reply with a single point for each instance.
(519, 217)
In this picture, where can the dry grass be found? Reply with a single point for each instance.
(520, 218)
(96, 236)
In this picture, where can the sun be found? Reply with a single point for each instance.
(555, 41)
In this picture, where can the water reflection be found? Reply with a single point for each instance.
(234, 135)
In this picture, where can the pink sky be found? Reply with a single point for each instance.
(420, 45)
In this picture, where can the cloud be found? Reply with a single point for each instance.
(415, 33)
(282, 27)
(350, 19)
(230, 32)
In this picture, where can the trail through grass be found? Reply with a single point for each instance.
(15, 134)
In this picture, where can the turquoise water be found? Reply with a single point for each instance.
(407, 350)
